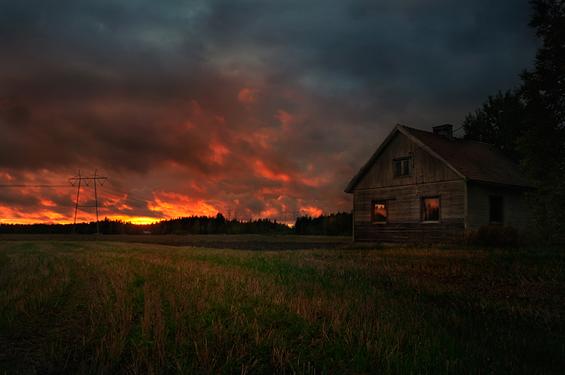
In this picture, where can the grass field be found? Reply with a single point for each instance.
(125, 308)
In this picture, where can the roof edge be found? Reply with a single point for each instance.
(367, 165)
(401, 129)
(424, 146)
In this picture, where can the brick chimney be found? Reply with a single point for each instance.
(446, 130)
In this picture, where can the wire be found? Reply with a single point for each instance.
(132, 200)
(114, 195)
(1, 186)
(129, 195)
(121, 196)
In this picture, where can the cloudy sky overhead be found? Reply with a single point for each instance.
(249, 108)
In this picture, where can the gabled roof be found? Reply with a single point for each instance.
(472, 161)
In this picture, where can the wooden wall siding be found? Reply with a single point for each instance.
(515, 211)
(409, 233)
(403, 222)
(424, 167)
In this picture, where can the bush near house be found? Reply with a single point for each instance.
(489, 236)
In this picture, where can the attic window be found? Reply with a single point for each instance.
(378, 212)
(401, 167)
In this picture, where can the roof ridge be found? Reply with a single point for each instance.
(455, 138)
(420, 130)
(472, 160)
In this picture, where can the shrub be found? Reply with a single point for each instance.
(489, 236)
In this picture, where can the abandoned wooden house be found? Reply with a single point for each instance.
(423, 186)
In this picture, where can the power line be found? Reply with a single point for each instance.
(130, 195)
(120, 196)
(29, 186)
(1, 186)
(99, 181)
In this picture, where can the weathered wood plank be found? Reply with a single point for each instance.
(425, 168)
(409, 232)
(515, 211)
(404, 221)
(464, 205)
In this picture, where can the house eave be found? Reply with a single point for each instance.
(505, 185)
(349, 189)
(431, 152)
(398, 128)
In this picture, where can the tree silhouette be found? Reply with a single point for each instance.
(543, 143)
(500, 122)
(529, 123)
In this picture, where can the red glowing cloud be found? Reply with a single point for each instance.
(193, 160)
(262, 170)
(194, 108)
(178, 205)
(254, 152)
(312, 211)
(248, 95)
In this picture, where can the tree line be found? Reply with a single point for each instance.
(340, 224)
(334, 224)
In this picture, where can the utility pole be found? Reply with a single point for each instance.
(87, 180)
(290, 212)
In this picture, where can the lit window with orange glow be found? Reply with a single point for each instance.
(430, 210)
(379, 212)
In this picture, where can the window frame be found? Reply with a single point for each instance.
(422, 210)
(405, 172)
(373, 216)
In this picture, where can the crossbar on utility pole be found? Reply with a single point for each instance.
(290, 212)
(87, 180)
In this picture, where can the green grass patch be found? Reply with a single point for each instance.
(103, 307)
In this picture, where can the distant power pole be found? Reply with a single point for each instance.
(87, 180)
(290, 212)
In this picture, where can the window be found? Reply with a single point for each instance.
(402, 167)
(378, 212)
(430, 209)
(495, 209)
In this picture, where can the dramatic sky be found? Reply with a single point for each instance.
(249, 108)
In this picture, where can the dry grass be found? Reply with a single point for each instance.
(104, 308)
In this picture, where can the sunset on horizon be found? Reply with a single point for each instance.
(248, 109)
(282, 187)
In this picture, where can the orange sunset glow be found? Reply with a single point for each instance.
(252, 110)
(57, 204)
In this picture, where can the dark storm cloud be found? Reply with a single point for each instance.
(366, 43)
(242, 104)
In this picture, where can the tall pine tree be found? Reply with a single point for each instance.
(543, 142)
